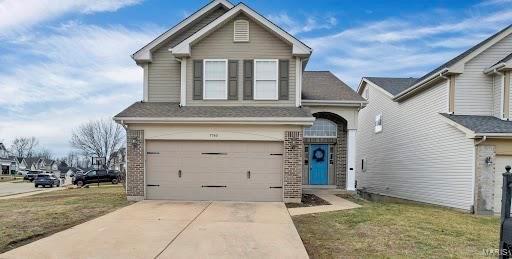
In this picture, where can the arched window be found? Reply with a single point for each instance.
(322, 128)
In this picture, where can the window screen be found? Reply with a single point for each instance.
(265, 79)
(215, 79)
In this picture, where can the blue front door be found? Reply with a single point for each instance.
(318, 164)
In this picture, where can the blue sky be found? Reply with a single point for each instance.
(65, 62)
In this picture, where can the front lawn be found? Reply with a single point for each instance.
(23, 220)
(385, 229)
(10, 178)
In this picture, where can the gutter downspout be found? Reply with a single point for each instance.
(482, 140)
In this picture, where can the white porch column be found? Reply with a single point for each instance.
(183, 82)
(351, 160)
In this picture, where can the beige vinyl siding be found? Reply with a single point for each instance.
(262, 45)
(164, 77)
(417, 156)
(474, 93)
(164, 70)
(497, 90)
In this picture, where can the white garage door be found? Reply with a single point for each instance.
(214, 170)
(501, 162)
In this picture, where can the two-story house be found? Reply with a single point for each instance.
(229, 113)
(444, 138)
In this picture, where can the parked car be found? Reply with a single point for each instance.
(46, 180)
(96, 176)
(31, 175)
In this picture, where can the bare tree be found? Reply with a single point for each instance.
(45, 153)
(72, 158)
(98, 138)
(24, 146)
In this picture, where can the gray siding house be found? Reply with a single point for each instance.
(444, 138)
(229, 113)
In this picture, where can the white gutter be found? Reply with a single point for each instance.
(418, 86)
(221, 120)
(495, 68)
(334, 103)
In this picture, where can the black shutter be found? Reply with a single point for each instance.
(248, 79)
(197, 71)
(233, 80)
(284, 81)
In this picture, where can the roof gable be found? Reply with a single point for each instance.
(145, 53)
(184, 48)
(455, 65)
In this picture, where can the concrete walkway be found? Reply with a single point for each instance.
(165, 229)
(336, 202)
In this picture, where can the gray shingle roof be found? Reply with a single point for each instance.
(481, 124)
(393, 85)
(324, 85)
(173, 110)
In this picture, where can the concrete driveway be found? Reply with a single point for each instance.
(8, 188)
(165, 229)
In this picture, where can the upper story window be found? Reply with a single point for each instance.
(378, 123)
(322, 128)
(215, 79)
(265, 79)
(241, 31)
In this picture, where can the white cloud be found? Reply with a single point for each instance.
(76, 73)
(311, 23)
(401, 47)
(16, 14)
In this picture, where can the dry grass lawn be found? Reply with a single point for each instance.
(390, 230)
(24, 220)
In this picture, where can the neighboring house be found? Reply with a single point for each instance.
(50, 166)
(32, 163)
(229, 113)
(6, 162)
(443, 138)
(22, 164)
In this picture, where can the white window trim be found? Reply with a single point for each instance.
(225, 79)
(277, 80)
(378, 128)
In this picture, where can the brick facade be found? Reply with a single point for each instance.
(485, 180)
(293, 159)
(340, 165)
(135, 164)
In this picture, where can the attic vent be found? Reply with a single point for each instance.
(241, 31)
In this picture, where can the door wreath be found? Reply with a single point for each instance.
(319, 155)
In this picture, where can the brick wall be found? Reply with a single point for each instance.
(293, 158)
(485, 179)
(135, 164)
(341, 157)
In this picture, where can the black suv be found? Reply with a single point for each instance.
(96, 176)
(46, 180)
(31, 175)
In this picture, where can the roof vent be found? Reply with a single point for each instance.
(241, 33)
